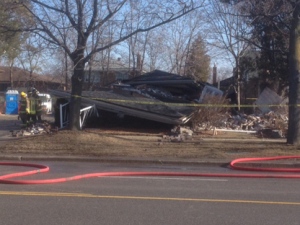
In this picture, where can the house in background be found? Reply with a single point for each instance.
(19, 79)
(250, 87)
(101, 76)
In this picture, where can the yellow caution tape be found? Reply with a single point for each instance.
(182, 104)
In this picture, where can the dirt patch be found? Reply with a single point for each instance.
(141, 144)
(146, 141)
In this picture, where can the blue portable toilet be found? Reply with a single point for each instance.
(12, 102)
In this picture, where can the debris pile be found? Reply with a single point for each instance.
(178, 134)
(267, 125)
(269, 120)
(35, 129)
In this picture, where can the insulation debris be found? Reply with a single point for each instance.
(266, 125)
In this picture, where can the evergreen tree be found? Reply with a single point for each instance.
(270, 29)
(13, 19)
(198, 62)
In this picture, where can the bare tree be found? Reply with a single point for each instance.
(228, 32)
(154, 49)
(30, 57)
(165, 47)
(58, 67)
(10, 40)
(143, 51)
(134, 48)
(179, 36)
(86, 17)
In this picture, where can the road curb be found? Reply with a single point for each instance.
(112, 160)
(153, 161)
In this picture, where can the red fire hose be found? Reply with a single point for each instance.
(6, 179)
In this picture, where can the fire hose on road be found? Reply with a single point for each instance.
(236, 164)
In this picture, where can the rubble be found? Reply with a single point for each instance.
(267, 125)
(35, 129)
(269, 120)
(178, 134)
(264, 125)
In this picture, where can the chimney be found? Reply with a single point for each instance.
(138, 62)
(138, 69)
(214, 74)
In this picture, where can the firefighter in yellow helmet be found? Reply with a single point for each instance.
(23, 108)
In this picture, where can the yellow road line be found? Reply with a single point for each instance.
(83, 195)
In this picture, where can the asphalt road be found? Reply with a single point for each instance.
(148, 200)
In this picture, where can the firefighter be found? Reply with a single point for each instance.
(23, 108)
(38, 104)
(31, 107)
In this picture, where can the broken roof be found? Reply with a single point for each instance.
(140, 107)
(184, 88)
(165, 79)
(149, 96)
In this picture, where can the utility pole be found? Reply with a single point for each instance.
(66, 71)
(293, 136)
(214, 74)
(238, 82)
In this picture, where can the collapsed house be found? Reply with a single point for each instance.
(173, 99)
(157, 96)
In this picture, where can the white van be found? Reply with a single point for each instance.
(46, 102)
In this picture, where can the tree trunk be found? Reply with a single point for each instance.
(75, 100)
(294, 80)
